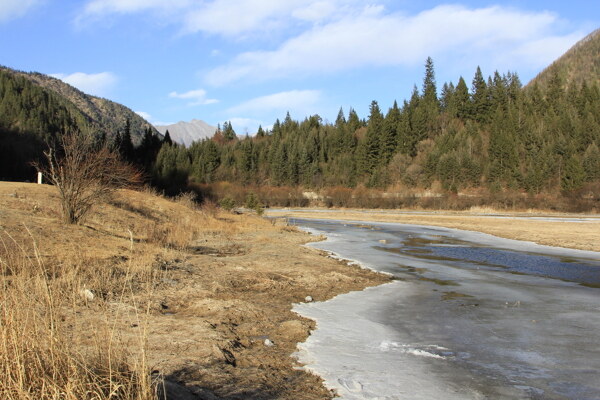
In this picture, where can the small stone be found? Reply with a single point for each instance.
(383, 241)
(269, 343)
(308, 299)
(87, 294)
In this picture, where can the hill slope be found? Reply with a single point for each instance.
(188, 132)
(35, 108)
(102, 115)
(580, 64)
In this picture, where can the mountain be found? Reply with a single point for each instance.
(188, 132)
(35, 109)
(581, 63)
(101, 115)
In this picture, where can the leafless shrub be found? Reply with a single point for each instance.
(85, 173)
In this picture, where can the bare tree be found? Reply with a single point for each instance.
(85, 173)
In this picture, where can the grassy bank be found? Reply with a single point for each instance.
(151, 295)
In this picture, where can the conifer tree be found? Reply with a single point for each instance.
(389, 136)
(479, 98)
(228, 132)
(167, 138)
(126, 145)
(353, 121)
(373, 138)
(462, 100)
(574, 174)
(429, 87)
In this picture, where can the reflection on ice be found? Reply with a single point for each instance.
(474, 317)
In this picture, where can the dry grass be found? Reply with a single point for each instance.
(179, 290)
(56, 341)
(37, 358)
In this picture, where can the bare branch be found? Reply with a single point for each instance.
(85, 174)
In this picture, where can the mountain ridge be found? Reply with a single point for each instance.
(186, 133)
(105, 116)
(581, 63)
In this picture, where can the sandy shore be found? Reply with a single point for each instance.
(560, 230)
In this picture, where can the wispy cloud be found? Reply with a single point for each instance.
(144, 115)
(148, 117)
(197, 96)
(98, 9)
(304, 101)
(376, 38)
(229, 18)
(100, 84)
(11, 9)
(320, 37)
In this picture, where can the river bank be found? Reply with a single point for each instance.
(197, 297)
(574, 231)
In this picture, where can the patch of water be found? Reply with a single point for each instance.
(474, 316)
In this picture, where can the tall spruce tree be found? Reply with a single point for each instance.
(479, 98)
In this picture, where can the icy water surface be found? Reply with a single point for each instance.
(470, 316)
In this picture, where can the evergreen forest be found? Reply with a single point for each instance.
(481, 139)
(487, 141)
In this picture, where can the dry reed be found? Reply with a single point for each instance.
(37, 358)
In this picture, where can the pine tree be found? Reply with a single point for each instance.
(574, 175)
(228, 132)
(447, 99)
(373, 138)
(555, 92)
(479, 98)
(429, 87)
(389, 137)
(462, 100)
(340, 121)
(126, 145)
(167, 138)
(353, 121)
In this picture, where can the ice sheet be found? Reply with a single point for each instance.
(473, 328)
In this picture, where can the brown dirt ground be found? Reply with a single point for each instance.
(584, 236)
(206, 307)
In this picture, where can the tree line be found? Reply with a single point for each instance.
(492, 135)
(495, 134)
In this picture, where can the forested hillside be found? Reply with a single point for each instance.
(578, 65)
(483, 140)
(486, 137)
(104, 116)
(35, 109)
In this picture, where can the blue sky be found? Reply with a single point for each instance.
(250, 61)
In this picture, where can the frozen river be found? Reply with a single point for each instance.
(470, 316)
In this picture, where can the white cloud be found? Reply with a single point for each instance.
(144, 115)
(99, 84)
(198, 96)
(242, 17)
(376, 38)
(540, 53)
(302, 101)
(101, 8)
(11, 9)
(230, 18)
